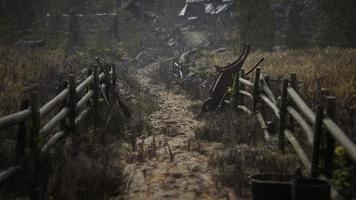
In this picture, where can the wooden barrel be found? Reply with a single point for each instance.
(310, 189)
(271, 186)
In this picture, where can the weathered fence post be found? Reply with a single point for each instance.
(114, 76)
(330, 141)
(107, 81)
(63, 86)
(256, 90)
(34, 140)
(21, 135)
(95, 96)
(294, 85)
(294, 81)
(237, 88)
(318, 130)
(72, 104)
(283, 115)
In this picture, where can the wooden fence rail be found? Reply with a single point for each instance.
(291, 112)
(73, 103)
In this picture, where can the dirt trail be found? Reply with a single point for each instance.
(155, 173)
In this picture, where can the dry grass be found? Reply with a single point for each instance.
(331, 68)
(26, 70)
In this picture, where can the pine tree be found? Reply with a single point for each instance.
(256, 24)
(294, 36)
(336, 24)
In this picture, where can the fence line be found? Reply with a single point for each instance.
(293, 111)
(73, 103)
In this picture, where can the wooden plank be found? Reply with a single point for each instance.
(82, 115)
(245, 109)
(14, 119)
(303, 107)
(263, 125)
(340, 137)
(298, 149)
(48, 107)
(85, 99)
(86, 83)
(246, 82)
(245, 93)
(9, 172)
(55, 121)
(302, 123)
(267, 90)
(271, 105)
(52, 141)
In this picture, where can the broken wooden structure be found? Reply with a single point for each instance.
(223, 80)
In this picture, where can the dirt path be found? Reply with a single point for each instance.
(171, 164)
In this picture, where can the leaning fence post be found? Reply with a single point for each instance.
(283, 112)
(318, 129)
(256, 90)
(21, 135)
(330, 141)
(72, 104)
(34, 140)
(237, 88)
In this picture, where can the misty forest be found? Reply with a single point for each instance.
(178, 99)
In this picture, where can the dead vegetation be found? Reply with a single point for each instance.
(244, 151)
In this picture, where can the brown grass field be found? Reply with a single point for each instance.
(330, 68)
(26, 70)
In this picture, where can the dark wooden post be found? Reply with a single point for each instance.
(95, 96)
(21, 135)
(114, 76)
(242, 87)
(294, 85)
(283, 115)
(318, 130)
(237, 88)
(107, 81)
(256, 90)
(294, 81)
(34, 140)
(330, 141)
(270, 127)
(72, 104)
(62, 87)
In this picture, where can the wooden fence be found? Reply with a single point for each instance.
(292, 114)
(74, 103)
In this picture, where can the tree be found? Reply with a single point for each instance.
(294, 36)
(256, 24)
(336, 24)
(74, 31)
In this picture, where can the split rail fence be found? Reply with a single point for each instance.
(292, 114)
(68, 108)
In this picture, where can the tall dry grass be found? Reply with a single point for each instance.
(330, 68)
(27, 69)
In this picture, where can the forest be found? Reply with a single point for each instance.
(178, 99)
